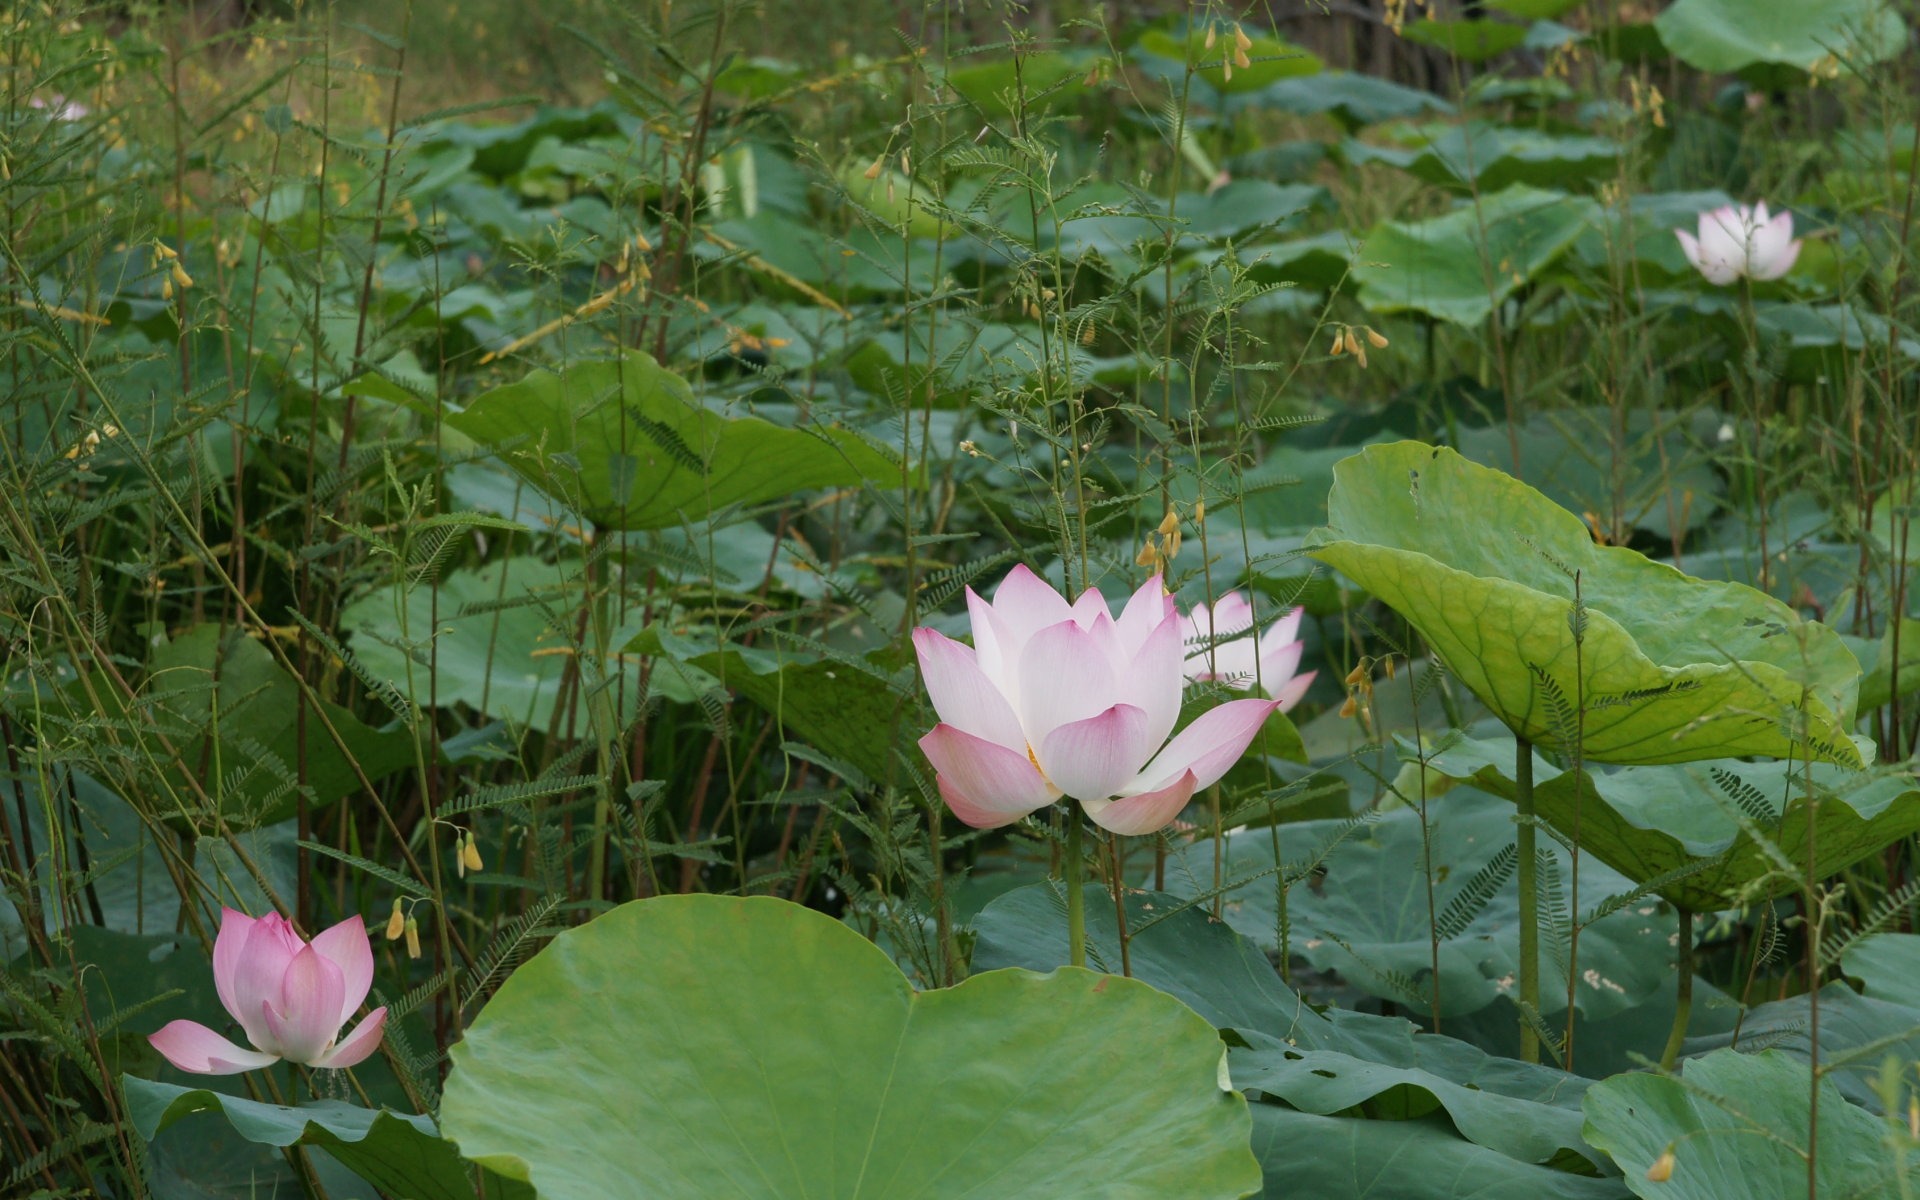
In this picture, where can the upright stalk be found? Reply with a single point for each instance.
(1076, 895)
(1529, 899)
(1683, 993)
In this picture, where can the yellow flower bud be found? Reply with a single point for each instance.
(1213, 35)
(873, 172)
(1241, 41)
(1378, 340)
(1662, 1168)
(470, 854)
(1339, 342)
(397, 923)
(413, 937)
(1169, 523)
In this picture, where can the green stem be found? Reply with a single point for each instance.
(1529, 898)
(1076, 892)
(1683, 993)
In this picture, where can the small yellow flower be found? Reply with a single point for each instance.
(397, 923)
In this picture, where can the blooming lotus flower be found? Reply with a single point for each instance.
(291, 997)
(1736, 240)
(59, 107)
(1270, 658)
(1056, 699)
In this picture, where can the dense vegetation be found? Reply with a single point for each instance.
(433, 519)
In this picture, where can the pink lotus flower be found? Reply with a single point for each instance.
(1736, 240)
(61, 108)
(1267, 659)
(1061, 699)
(291, 998)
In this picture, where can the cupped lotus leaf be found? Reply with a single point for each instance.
(1366, 914)
(1670, 668)
(400, 1153)
(1490, 157)
(1457, 266)
(1737, 1126)
(1646, 822)
(753, 1048)
(1726, 35)
(1351, 1158)
(624, 443)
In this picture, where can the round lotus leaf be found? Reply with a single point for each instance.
(688, 1047)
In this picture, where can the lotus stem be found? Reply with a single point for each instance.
(1076, 891)
(1683, 992)
(1529, 900)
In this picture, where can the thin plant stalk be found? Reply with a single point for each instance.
(1076, 895)
(1683, 992)
(1529, 899)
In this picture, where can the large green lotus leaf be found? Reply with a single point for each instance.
(1737, 1125)
(1491, 157)
(505, 640)
(842, 707)
(1347, 1158)
(624, 443)
(1048, 78)
(1647, 821)
(399, 1153)
(753, 1048)
(1643, 233)
(129, 878)
(223, 702)
(1366, 916)
(1353, 98)
(1726, 35)
(1322, 1062)
(1858, 1034)
(1672, 668)
(1457, 266)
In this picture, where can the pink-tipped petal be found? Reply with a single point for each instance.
(1278, 666)
(1026, 604)
(307, 1017)
(227, 948)
(1090, 759)
(970, 811)
(1146, 609)
(1065, 676)
(1148, 812)
(358, 1045)
(346, 946)
(1293, 692)
(1689, 246)
(1152, 679)
(1232, 614)
(993, 648)
(1783, 263)
(991, 777)
(1213, 743)
(962, 694)
(200, 1051)
(260, 972)
(1286, 629)
(1090, 606)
